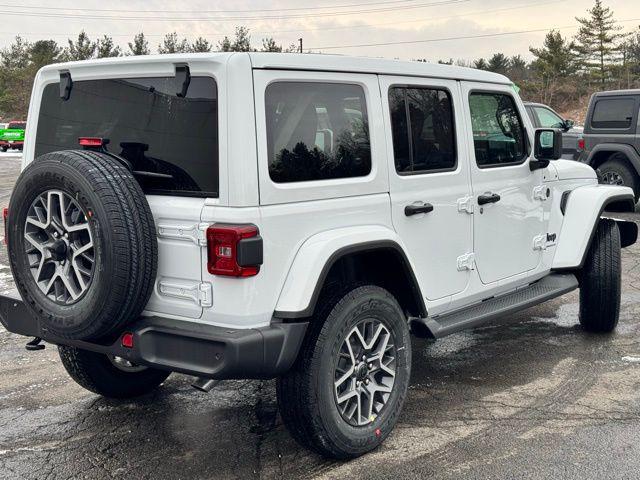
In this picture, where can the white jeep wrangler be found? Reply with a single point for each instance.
(288, 216)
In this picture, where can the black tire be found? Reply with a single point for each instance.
(617, 164)
(4, 149)
(98, 374)
(600, 280)
(306, 394)
(124, 243)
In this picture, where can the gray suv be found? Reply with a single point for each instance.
(612, 138)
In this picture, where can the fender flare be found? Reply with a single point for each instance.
(320, 252)
(584, 207)
(628, 150)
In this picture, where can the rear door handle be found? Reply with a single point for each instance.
(416, 208)
(488, 198)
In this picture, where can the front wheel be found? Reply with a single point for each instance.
(345, 392)
(111, 377)
(600, 284)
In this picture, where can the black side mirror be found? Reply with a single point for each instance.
(568, 125)
(548, 146)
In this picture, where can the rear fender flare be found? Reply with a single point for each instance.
(316, 256)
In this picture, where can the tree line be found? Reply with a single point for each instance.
(563, 71)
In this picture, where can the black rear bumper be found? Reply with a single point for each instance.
(183, 346)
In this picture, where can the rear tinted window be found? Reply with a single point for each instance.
(613, 113)
(18, 125)
(316, 131)
(423, 130)
(146, 123)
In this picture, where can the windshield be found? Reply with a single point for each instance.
(171, 142)
(17, 125)
(548, 118)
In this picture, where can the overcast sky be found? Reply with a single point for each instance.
(321, 23)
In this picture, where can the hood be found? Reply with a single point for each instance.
(570, 170)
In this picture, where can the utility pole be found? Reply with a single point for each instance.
(300, 40)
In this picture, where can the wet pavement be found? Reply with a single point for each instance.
(534, 398)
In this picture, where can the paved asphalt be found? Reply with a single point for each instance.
(534, 398)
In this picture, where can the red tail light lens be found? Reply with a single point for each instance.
(5, 217)
(234, 250)
(91, 141)
(581, 144)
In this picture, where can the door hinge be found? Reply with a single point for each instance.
(199, 293)
(541, 193)
(465, 204)
(466, 262)
(540, 242)
(193, 233)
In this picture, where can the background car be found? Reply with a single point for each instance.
(543, 116)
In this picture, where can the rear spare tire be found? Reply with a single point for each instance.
(82, 244)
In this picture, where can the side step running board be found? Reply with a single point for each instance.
(549, 287)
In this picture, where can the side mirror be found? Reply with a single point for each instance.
(548, 146)
(568, 125)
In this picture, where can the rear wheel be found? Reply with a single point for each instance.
(112, 377)
(345, 393)
(617, 171)
(600, 284)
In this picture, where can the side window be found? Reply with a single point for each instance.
(423, 129)
(316, 131)
(547, 118)
(613, 113)
(498, 134)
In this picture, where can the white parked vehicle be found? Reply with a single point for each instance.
(287, 216)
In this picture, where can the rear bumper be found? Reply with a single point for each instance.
(183, 346)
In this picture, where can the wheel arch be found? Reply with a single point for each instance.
(584, 208)
(601, 153)
(350, 257)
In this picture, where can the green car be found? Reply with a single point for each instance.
(13, 136)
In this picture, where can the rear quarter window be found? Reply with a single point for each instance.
(172, 142)
(316, 131)
(613, 113)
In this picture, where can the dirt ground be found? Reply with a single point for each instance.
(536, 397)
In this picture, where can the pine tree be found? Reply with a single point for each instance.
(171, 44)
(270, 45)
(201, 45)
(554, 63)
(82, 49)
(44, 52)
(480, 64)
(106, 48)
(242, 42)
(139, 46)
(598, 42)
(498, 63)
(225, 45)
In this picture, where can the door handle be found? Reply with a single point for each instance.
(417, 208)
(488, 198)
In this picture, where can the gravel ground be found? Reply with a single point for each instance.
(534, 398)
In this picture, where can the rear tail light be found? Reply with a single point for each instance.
(92, 142)
(234, 250)
(5, 217)
(581, 144)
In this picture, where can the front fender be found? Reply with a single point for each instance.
(316, 256)
(583, 210)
